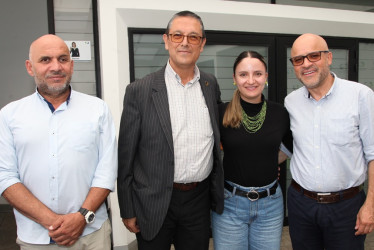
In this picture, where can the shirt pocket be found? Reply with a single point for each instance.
(83, 136)
(201, 123)
(342, 131)
(207, 125)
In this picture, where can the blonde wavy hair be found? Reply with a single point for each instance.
(233, 113)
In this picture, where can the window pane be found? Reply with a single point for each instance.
(339, 67)
(149, 54)
(366, 64)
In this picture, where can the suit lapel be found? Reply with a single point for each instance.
(210, 99)
(160, 99)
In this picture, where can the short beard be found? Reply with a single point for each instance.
(53, 91)
(323, 74)
(312, 85)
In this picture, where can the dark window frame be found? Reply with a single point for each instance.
(51, 16)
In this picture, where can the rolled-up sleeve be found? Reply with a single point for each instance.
(9, 174)
(106, 170)
(366, 126)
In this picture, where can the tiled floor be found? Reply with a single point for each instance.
(8, 233)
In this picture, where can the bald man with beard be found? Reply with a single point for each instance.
(332, 122)
(58, 157)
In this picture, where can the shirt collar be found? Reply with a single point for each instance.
(170, 71)
(331, 90)
(50, 104)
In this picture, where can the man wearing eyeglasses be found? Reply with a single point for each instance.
(332, 121)
(169, 172)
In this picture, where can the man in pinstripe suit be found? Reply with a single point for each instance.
(169, 172)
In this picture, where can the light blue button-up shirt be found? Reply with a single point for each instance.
(57, 155)
(333, 137)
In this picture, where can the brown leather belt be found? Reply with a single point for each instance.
(185, 186)
(328, 197)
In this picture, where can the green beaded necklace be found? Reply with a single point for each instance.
(253, 124)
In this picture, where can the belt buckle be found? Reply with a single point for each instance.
(253, 192)
(321, 196)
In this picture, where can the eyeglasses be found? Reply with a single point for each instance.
(192, 39)
(312, 57)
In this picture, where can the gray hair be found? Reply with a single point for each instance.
(186, 13)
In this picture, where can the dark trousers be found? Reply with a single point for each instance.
(187, 223)
(315, 226)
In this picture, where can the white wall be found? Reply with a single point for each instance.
(115, 16)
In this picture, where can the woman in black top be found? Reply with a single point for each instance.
(74, 51)
(252, 130)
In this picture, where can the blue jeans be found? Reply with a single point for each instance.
(246, 224)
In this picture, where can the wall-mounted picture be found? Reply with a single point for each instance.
(79, 50)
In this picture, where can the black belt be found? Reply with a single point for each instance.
(328, 197)
(252, 195)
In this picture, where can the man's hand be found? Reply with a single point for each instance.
(365, 219)
(67, 228)
(131, 225)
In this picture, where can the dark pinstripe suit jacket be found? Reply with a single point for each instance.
(146, 153)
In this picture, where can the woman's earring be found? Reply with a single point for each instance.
(267, 84)
(234, 83)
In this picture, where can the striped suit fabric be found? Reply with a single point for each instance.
(146, 153)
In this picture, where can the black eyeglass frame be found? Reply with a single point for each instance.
(307, 56)
(188, 38)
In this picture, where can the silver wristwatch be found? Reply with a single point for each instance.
(89, 216)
